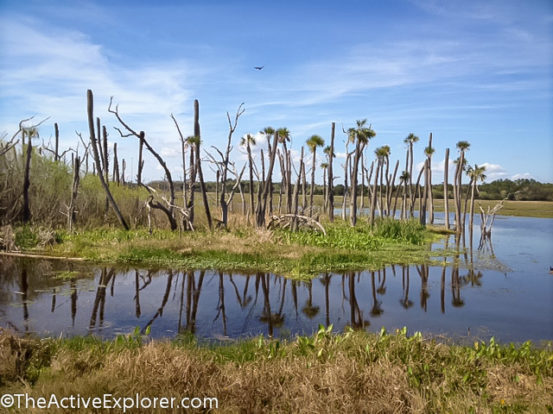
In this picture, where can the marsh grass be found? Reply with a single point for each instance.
(300, 255)
(349, 372)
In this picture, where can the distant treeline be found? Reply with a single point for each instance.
(521, 189)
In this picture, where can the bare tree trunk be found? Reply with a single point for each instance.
(115, 176)
(184, 195)
(260, 184)
(90, 111)
(353, 202)
(261, 209)
(140, 160)
(192, 184)
(312, 191)
(71, 216)
(303, 189)
(217, 179)
(331, 176)
(471, 214)
(430, 196)
(289, 181)
(345, 197)
(26, 215)
(422, 212)
(296, 190)
(446, 206)
(250, 166)
(411, 195)
(455, 201)
(373, 195)
(283, 177)
(57, 145)
(199, 161)
(325, 195)
(391, 190)
(105, 161)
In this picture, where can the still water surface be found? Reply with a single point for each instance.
(509, 296)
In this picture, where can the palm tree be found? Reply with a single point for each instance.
(410, 140)
(283, 138)
(476, 174)
(462, 146)
(313, 142)
(361, 137)
(247, 142)
(383, 154)
(380, 154)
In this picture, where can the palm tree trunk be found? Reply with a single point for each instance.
(373, 198)
(353, 200)
(331, 177)
(312, 182)
(446, 206)
(471, 219)
(391, 190)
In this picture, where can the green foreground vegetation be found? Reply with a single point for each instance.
(349, 372)
(294, 254)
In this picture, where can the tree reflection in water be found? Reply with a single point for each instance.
(244, 312)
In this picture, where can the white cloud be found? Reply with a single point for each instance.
(525, 175)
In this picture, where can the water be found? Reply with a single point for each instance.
(509, 297)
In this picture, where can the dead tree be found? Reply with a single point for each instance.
(71, 211)
(93, 142)
(285, 221)
(184, 144)
(141, 136)
(31, 132)
(486, 223)
(223, 166)
(446, 206)
(262, 207)
(115, 175)
(153, 204)
(199, 162)
(56, 151)
(140, 160)
(331, 176)
(297, 187)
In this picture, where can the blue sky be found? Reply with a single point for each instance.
(472, 70)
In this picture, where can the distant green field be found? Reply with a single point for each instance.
(543, 209)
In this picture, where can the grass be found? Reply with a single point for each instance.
(299, 255)
(349, 372)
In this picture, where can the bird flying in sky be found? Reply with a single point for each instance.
(258, 67)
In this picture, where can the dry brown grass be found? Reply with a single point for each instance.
(353, 372)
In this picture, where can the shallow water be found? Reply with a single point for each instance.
(509, 296)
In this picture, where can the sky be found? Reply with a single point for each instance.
(471, 70)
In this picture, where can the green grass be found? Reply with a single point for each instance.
(350, 372)
(301, 254)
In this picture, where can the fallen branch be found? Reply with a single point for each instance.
(285, 221)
